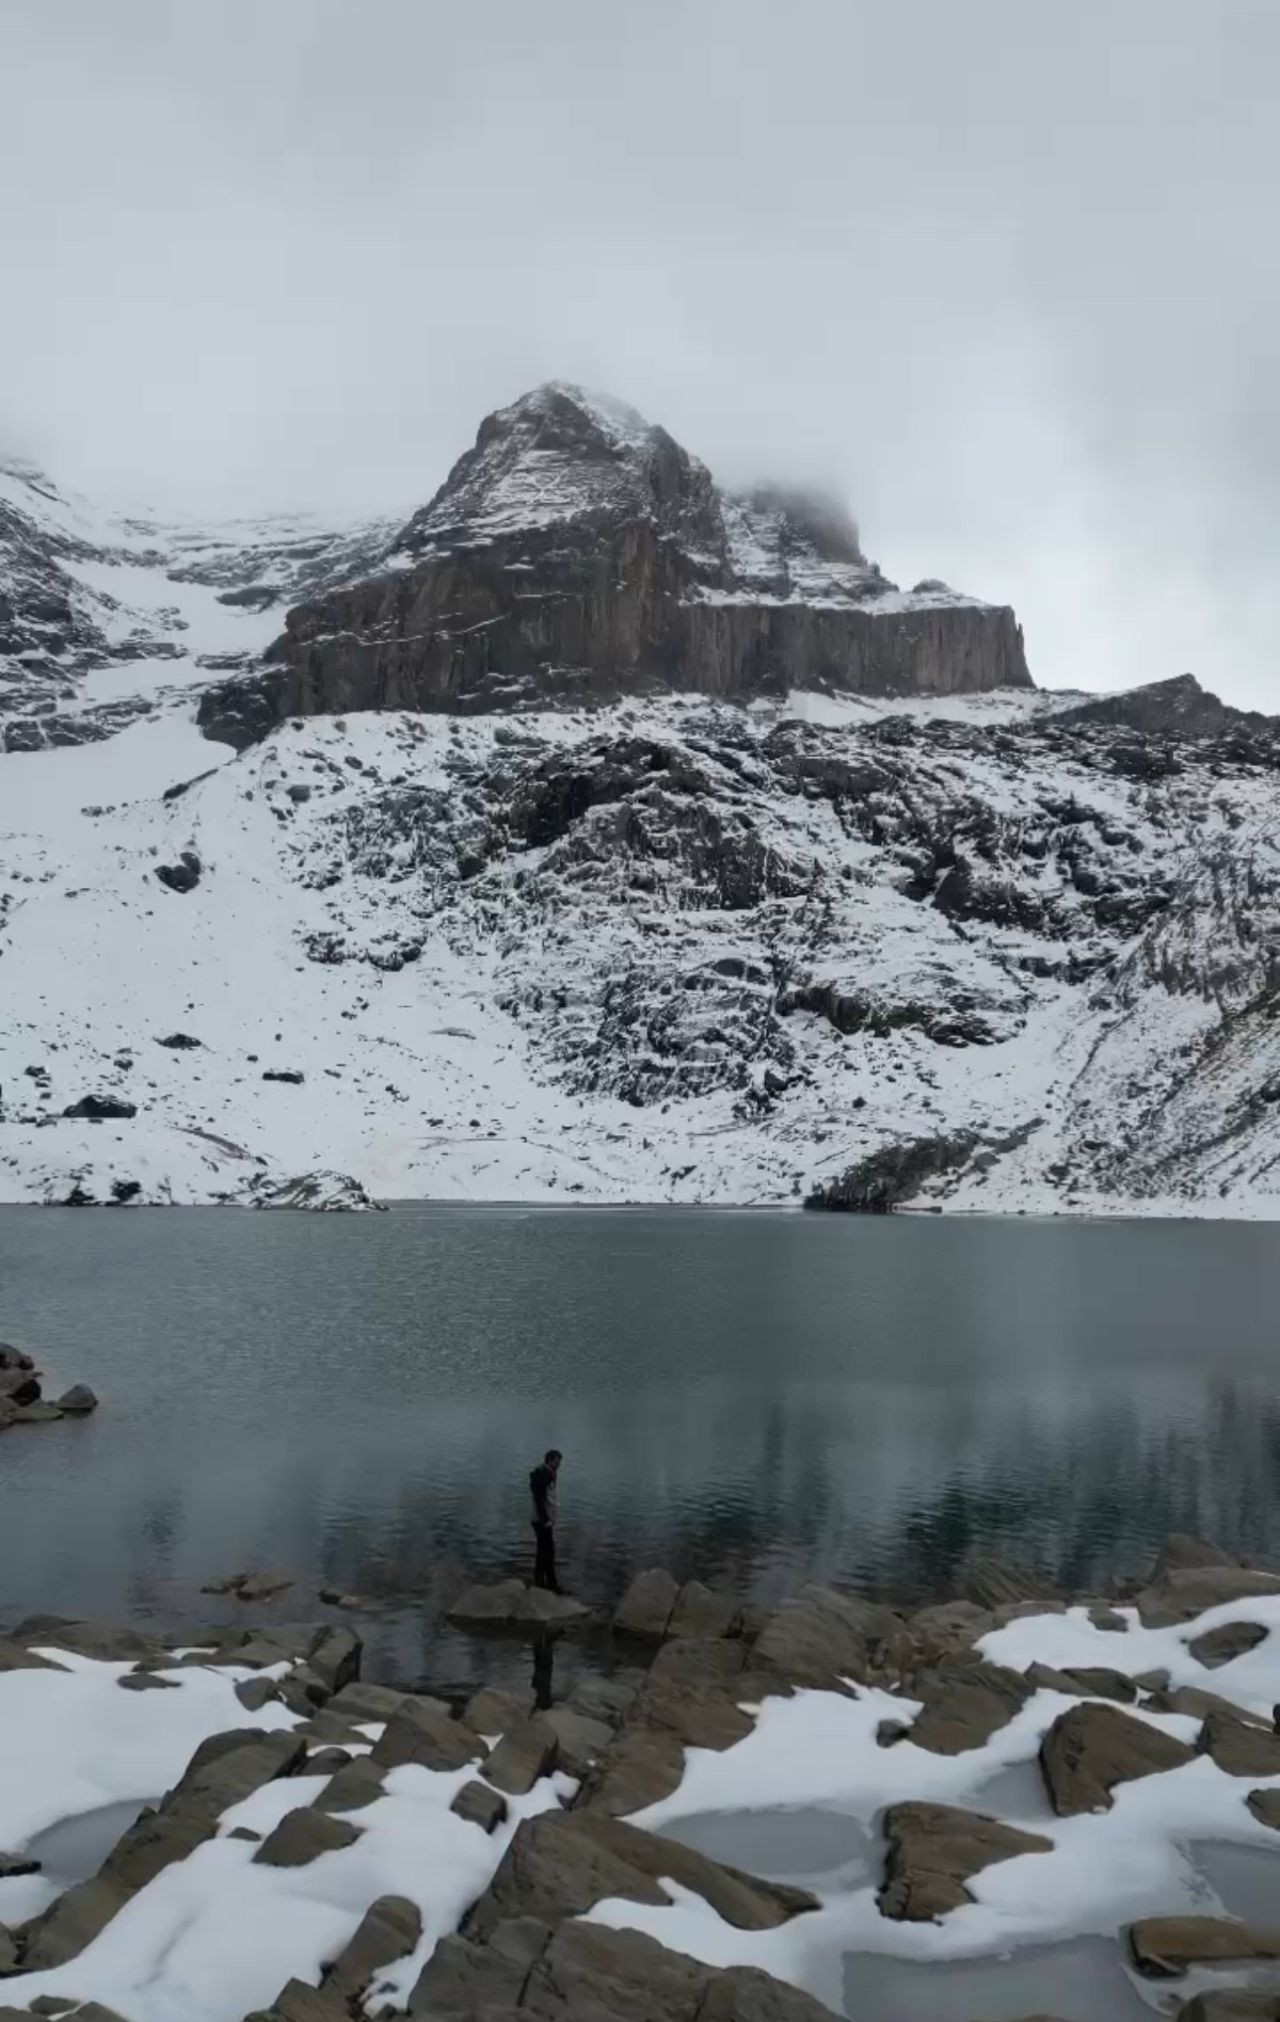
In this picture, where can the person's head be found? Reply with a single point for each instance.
(553, 1458)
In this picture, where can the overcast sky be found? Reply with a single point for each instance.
(1004, 272)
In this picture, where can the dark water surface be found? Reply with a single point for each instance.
(754, 1398)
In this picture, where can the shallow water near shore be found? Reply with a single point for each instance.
(756, 1399)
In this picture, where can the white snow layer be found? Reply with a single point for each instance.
(216, 1935)
(441, 1046)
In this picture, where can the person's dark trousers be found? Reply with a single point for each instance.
(544, 1557)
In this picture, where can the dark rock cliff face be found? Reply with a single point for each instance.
(576, 554)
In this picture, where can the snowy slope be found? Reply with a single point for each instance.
(102, 612)
(666, 951)
(989, 949)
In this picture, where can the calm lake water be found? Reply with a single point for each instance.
(754, 1398)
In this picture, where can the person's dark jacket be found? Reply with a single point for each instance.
(542, 1487)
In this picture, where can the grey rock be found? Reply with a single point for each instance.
(16, 1657)
(933, 1851)
(1199, 1704)
(77, 1402)
(255, 1693)
(363, 1702)
(949, 1625)
(146, 1681)
(357, 1783)
(12, 1865)
(299, 2002)
(646, 1607)
(491, 1711)
(389, 1930)
(480, 1805)
(522, 1755)
(965, 1701)
(422, 1731)
(1265, 1806)
(1165, 1946)
(1091, 1748)
(19, 1386)
(229, 1767)
(580, 1741)
(699, 1612)
(302, 1836)
(327, 1761)
(510, 1604)
(150, 1845)
(990, 1581)
(1179, 1596)
(1093, 1682)
(1220, 1646)
(14, 1358)
(821, 1637)
(640, 1769)
(1182, 1553)
(1238, 1746)
(607, 1699)
(1231, 2004)
(465, 1978)
(560, 1864)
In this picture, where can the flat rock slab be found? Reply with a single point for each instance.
(1239, 1747)
(700, 1611)
(1095, 1682)
(389, 1930)
(587, 1973)
(647, 1606)
(1183, 1553)
(821, 1637)
(1166, 1946)
(358, 1783)
(298, 2002)
(362, 1702)
(1220, 1646)
(1180, 1596)
(1265, 1806)
(423, 1731)
(525, 1753)
(933, 1851)
(560, 1864)
(966, 1701)
(511, 1605)
(493, 1711)
(990, 1581)
(229, 1767)
(1199, 1704)
(1091, 1748)
(580, 1741)
(480, 1805)
(302, 1836)
(1231, 2004)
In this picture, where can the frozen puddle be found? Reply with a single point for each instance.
(75, 1848)
(1083, 1980)
(1245, 1879)
(1016, 1794)
(784, 1844)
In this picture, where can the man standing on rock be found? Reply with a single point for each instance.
(542, 1485)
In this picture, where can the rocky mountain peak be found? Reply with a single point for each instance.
(558, 457)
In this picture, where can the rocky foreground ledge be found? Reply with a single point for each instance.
(319, 1848)
(22, 1399)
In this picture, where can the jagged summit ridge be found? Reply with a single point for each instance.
(560, 455)
(578, 553)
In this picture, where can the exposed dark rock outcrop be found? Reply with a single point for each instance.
(577, 553)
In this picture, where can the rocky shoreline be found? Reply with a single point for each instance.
(567, 1872)
(22, 1400)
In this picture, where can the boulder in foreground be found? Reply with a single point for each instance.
(1092, 1748)
(933, 1851)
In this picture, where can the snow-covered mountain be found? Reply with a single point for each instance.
(855, 926)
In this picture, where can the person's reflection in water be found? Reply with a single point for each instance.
(544, 1648)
